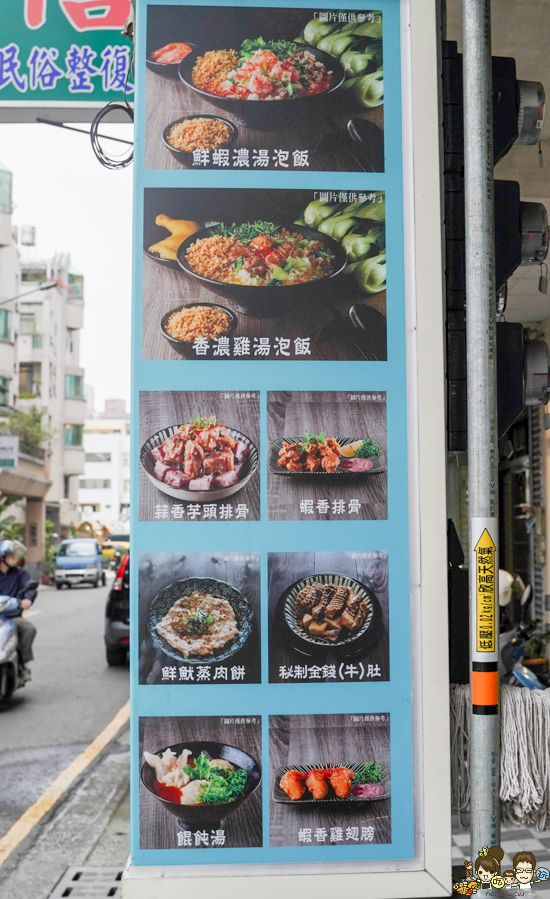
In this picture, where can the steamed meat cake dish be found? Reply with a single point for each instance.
(199, 625)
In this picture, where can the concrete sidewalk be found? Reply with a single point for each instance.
(89, 826)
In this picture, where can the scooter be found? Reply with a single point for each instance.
(512, 644)
(11, 672)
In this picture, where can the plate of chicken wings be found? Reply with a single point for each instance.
(336, 782)
(199, 461)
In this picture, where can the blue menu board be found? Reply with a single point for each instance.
(272, 717)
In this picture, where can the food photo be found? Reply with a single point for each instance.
(264, 274)
(327, 456)
(330, 779)
(199, 618)
(264, 89)
(196, 461)
(328, 617)
(199, 779)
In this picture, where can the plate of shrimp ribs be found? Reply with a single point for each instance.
(342, 782)
(318, 455)
(329, 611)
(199, 461)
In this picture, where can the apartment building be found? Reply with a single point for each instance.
(50, 376)
(104, 493)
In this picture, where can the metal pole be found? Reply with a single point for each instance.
(482, 425)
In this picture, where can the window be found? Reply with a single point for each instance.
(75, 287)
(5, 324)
(28, 323)
(95, 484)
(4, 391)
(37, 341)
(26, 376)
(66, 486)
(78, 548)
(73, 435)
(74, 386)
(97, 457)
(5, 191)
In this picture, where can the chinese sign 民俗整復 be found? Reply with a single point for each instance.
(66, 51)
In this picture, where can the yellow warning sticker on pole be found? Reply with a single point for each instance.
(485, 621)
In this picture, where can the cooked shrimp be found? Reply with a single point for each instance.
(262, 241)
(292, 785)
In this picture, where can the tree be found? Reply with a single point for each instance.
(9, 528)
(30, 430)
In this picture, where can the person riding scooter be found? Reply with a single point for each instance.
(13, 580)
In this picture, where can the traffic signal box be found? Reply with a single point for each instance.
(508, 243)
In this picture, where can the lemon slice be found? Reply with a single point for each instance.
(349, 450)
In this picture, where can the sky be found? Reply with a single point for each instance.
(81, 208)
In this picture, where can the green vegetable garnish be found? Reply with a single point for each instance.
(222, 784)
(368, 89)
(315, 30)
(337, 226)
(199, 423)
(281, 49)
(309, 439)
(370, 274)
(356, 62)
(368, 449)
(364, 29)
(336, 44)
(198, 622)
(279, 274)
(201, 771)
(247, 231)
(357, 246)
(319, 210)
(370, 773)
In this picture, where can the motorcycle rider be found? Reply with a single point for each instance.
(13, 579)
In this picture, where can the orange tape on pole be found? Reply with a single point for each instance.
(484, 688)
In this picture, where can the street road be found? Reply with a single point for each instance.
(72, 696)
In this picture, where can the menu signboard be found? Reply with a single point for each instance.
(273, 604)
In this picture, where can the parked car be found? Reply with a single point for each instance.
(117, 616)
(78, 561)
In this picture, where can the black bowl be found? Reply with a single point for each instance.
(169, 69)
(185, 157)
(201, 816)
(268, 301)
(291, 634)
(185, 347)
(270, 114)
(164, 601)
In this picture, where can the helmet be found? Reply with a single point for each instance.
(14, 547)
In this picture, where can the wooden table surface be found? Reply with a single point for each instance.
(159, 828)
(325, 739)
(159, 410)
(158, 570)
(168, 99)
(165, 289)
(289, 414)
(287, 568)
